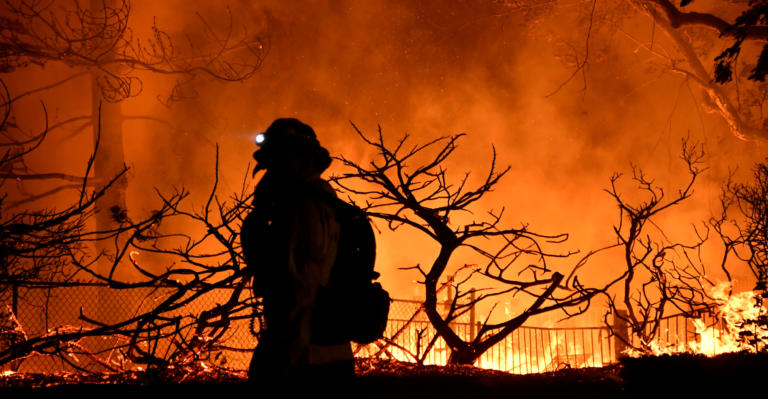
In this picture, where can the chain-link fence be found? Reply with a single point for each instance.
(51, 310)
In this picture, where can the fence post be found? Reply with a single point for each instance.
(620, 329)
(449, 300)
(472, 331)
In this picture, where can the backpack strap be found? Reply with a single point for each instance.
(351, 307)
(354, 218)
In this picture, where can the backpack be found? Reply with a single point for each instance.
(351, 307)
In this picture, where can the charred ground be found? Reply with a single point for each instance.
(648, 376)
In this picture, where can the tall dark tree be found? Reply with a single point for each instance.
(713, 51)
(741, 109)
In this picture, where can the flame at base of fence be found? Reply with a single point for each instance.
(527, 350)
(739, 323)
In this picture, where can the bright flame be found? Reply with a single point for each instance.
(7, 373)
(732, 329)
(734, 324)
(537, 350)
(737, 332)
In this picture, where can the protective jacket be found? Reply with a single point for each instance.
(289, 241)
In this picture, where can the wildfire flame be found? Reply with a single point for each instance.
(736, 323)
(736, 326)
(740, 330)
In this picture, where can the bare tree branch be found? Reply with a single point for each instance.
(409, 185)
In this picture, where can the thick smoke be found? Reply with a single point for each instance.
(566, 95)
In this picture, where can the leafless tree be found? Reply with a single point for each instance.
(408, 185)
(34, 243)
(751, 200)
(98, 39)
(743, 228)
(98, 36)
(169, 333)
(661, 276)
(748, 26)
(54, 248)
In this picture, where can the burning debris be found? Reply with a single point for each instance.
(198, 373)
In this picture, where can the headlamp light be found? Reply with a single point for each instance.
(260, 139)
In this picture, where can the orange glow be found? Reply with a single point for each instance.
(431, 69)
(515, 358)
(497, 70)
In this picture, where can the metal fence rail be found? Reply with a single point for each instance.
(678, 333)
(526, 350)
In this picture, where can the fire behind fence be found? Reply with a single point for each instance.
(526, 350)
(409, 336)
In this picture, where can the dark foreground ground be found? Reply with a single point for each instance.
(684, 376)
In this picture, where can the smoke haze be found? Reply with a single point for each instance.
(495, 70)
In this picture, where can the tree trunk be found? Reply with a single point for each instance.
(466, 355)
(109, 158)
(109, 161)
(699, 74)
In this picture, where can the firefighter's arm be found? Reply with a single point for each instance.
(264, 240)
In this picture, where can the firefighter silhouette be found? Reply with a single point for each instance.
(289, 241)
